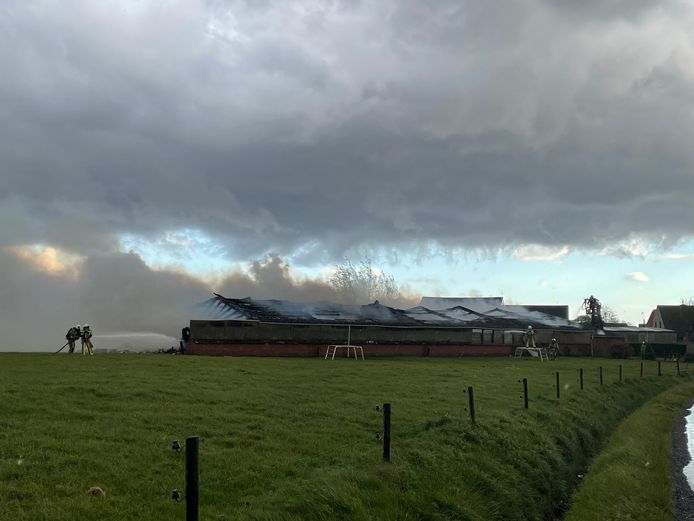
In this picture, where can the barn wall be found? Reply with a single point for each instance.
(245, 338)
(369, 350)
(229, 331)
(250, 332)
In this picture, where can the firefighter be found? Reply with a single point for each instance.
(530, 337)
(72, 336)
(86, 340)
(553, 349)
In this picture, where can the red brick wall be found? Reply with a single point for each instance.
(369, 350)
(486, 350)
(604, 347)
(254, 349)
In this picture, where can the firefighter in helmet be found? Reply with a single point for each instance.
(553, 350)
(530, 337)
(72, 336)
(87, 340)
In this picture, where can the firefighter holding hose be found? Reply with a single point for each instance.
(72, 336)
(87, 340)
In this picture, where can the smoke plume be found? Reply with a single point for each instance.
(118, 292)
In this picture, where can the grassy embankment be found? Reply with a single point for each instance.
(631, 478)
(295, 438)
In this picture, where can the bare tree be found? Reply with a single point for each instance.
(363, 283)
(582, 319)
(607, 314)
(610, 316)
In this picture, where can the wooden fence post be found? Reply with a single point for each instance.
(557, 384)
(525, 393)
(386, 432)
(471, 402)
(192, 478)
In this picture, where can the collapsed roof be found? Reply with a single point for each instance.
(482, 304)
(490, 315)
(634, 329)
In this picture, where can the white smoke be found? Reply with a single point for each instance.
(133, 341)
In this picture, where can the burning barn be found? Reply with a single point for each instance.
(437, 327)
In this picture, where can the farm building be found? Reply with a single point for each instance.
(627, 340)
(437, 327)
(676, 318)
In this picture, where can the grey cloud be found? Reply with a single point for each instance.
(274, 126)
(606, 11)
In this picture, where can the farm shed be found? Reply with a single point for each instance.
(252, 327)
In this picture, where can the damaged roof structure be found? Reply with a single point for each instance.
(432, 312)
(486, 303)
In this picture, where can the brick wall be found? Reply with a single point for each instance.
(603, 347)
(369, 350)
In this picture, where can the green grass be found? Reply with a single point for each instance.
(631, 479)
(295, 439)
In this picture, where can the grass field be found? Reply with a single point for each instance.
(631, 478)
(295, 438)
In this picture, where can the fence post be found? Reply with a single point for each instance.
(192, 475)
(678, 367)
(600, 371)
(659, 373)
(525, 393)
(620, 373)
(557, 383)
(386, 432)
(471, 402)
(580, 376)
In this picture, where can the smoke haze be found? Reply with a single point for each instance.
(118, 292)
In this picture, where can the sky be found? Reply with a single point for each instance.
(153, 151)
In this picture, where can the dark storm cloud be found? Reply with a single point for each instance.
(275, 125)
